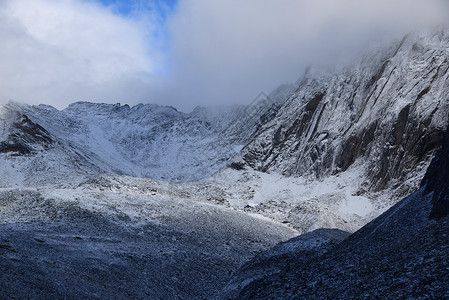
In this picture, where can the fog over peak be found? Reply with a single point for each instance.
(201, 53)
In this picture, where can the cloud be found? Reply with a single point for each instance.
(229, 51)
(197, 52)
(61, 51)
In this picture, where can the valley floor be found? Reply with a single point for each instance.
(113, 236)
(83, 243)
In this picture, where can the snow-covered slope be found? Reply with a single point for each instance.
(90, 242)
(31, 156)
(155, 141)
(404, 253)
(143, 141)
(335, 150)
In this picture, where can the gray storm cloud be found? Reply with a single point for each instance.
(229, 51)
(220, 52)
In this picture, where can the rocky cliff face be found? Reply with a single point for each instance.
(388, 119)
(401, 254)
(387, 113)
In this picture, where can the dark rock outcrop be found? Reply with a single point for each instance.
(436, 182)
(25, 137)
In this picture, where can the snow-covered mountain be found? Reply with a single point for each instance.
(149, 140)
(386, 116)
(142, 141)
(402, 254)
(98, 189)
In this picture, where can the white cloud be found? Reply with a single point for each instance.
(61, 51)
(228, 51)
(221, 51)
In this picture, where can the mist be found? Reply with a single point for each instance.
(203, 53)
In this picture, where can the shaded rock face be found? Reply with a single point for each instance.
(436, 182)
(280, 258)
(389, 112)
(25, 137)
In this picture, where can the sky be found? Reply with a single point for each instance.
(184, 53)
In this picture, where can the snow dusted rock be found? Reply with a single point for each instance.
(20, 136)
(387, 120)
(31, 156)
(401, 254)
(154, 141)
(92, 243)
(388, 112)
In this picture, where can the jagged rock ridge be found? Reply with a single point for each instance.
(387, 113)
(149, 140)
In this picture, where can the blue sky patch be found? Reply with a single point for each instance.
(129, 7)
